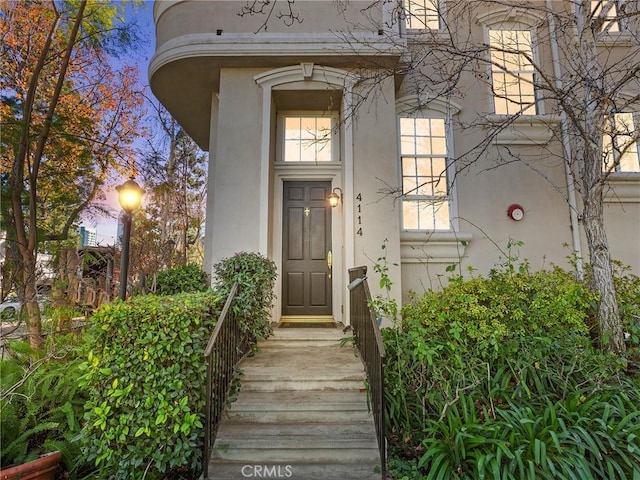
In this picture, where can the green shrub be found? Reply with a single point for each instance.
(146, 373)
(497, 378)
(256, 277)
(41, 405)
(144, 377)
(183, 279)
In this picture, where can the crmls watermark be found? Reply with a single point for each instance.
(267, 471)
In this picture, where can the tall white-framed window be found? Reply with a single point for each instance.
(424, 164)
(512, 71)
(307, 138)
(620, 143)
(422, 14)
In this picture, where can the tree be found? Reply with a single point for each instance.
(586, 83)
(583, 78)
(175, 173)
(69, 117)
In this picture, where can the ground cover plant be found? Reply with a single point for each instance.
(498, 378)
(41, 404)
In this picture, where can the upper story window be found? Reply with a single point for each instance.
(512, 72)
(423, 162)
(612, 22)
(308, 138)
(422, 14)
(620, 144)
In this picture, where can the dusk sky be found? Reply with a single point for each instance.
(106, 228)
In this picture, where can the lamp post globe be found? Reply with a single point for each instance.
(130, 196)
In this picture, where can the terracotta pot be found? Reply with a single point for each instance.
(42, 468)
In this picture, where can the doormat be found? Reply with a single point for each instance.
(307, 325)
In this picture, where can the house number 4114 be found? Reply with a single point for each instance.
(359, 210)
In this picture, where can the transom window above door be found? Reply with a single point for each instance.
(308, 138)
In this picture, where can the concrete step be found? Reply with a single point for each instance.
(226, 470)
(301, 413)
(363, 433)
(300, 406)
(353, 442)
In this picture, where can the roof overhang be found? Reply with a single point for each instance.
(185, 71)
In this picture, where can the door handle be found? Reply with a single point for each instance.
(330, 262)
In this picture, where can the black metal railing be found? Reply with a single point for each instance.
(371, 349)
(228, 344)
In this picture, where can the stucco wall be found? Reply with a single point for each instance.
(375, 171)
(234, 177)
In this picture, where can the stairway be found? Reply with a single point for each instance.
(301, 413)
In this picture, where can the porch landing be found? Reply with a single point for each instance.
(301, 413)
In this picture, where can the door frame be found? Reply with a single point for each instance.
(302, 173)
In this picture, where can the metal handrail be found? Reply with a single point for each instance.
(228, 344)
(371, 349)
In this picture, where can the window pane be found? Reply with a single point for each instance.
(437, 127)
(620, 144)
(442, 221)
(422, 14)
(439, 174)
(410, 215)
(423, 145)
(308, 139)
(407, 126)
(292, 128)
(424, 180)
(439, 146)
(611, 24)
(292, 151)
(512, 71)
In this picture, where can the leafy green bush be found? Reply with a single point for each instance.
(256, 277)
(145, 379)
(497, 378)
(146, 373)
(41, 405)
(183, 279)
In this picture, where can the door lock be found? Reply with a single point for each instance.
(330, 262)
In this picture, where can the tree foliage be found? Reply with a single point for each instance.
(168, 231)
(69, 116)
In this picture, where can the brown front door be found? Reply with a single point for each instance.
(306, 243)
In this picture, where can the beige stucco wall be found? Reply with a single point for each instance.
(375, 170)
(234, 174)
(482, 191)
(308, 16)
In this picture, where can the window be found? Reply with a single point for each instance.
(308, 138)
(620, 144)
(611, 21)
(512, 72)
(423, 152)
(422, 14)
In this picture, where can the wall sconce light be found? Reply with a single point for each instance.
(335, 197)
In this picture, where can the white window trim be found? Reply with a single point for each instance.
(523, 130)
(335, 136)
(433, 247)
(433, 107)
(512, 19)
(622, 187)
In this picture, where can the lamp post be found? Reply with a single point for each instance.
(130, 196)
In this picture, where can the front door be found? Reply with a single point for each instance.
(306, 244)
